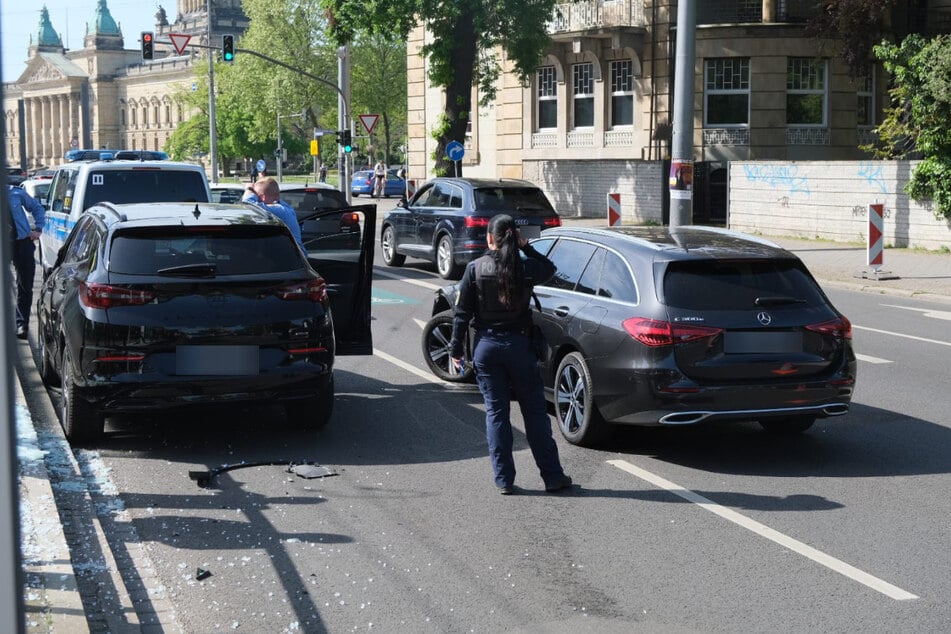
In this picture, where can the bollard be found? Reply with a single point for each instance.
(614, 209)
(410, 188)
(875, 249)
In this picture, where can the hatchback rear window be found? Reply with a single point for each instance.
(739, 284)
(199, 251)
(309, 201)
(515, 200)
(144, 186)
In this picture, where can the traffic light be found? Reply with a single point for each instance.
(148, 39)
(344, 139)
(227, 48)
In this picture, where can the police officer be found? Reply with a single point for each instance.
(24, 237)
(494, 295)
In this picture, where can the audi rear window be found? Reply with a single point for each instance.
(523, 201)
(147, 185)
(739, 284)
(211, 251)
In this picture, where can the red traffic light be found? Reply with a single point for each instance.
(148, 50)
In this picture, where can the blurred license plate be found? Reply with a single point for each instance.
(216, 360)
(530, 232)
(762, 342)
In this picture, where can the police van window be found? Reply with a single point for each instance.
(62, 190)
(144, 186)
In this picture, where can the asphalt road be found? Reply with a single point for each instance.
(842, 529)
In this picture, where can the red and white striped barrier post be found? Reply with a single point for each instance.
(614, 209)
(875, 252)
(410, 188)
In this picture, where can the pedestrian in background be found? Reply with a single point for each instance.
(23, 235)
(323, 172)
(379, 180)
(266, 194)
(494, 298)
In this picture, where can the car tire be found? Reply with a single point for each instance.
(578, 418)
(81, 422)
(47, 369)
(446, 265)
(312, 413)
(355, 194)
(436, 336)
(787, 424)
(388, 245)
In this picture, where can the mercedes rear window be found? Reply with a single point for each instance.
(144, 185)
(522, 201)
(739, 284)
(204, 251)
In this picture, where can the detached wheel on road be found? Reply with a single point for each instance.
(436, 337)
(787, 424)
(81, 422)
(578, 418)
(388, 245)
(445, 264)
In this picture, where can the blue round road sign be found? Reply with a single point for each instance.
(455, 151)
(260, 165)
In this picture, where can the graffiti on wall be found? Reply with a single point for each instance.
(873, 174)
(779, 177)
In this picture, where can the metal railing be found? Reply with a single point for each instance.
(595, 14)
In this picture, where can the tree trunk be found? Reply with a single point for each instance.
(458, 93)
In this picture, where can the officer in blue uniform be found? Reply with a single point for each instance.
(494, 296)
(23, 238)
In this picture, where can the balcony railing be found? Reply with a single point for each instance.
(596, 14)
(751, 11)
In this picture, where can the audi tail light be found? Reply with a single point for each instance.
(108, 296)
(314, 290)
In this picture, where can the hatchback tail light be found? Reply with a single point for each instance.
(108, 296)
(314, 290)
(654, 332)
(476, 222)
(840, 327)
(551, 222)
(349, 219)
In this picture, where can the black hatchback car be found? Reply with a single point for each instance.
(646, 326)
(445, 222)
(162, 305)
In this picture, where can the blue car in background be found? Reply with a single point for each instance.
(362, 184)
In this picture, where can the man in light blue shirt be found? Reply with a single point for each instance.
(266, 194)
(23, 237)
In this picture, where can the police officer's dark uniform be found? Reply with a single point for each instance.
(23, 238)
(504, 361)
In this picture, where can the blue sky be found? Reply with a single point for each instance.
(21, 18)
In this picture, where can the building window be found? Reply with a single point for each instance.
(547, 98)
(806, 97)
(168, 114)
(622, 93)
(583, 94)
(865, 101)
(133, 115)
(155, 115)
(726, 93)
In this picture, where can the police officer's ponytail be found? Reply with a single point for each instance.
(508, 261)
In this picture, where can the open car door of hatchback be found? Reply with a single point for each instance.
(340, 246)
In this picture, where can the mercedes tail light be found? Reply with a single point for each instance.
(840, 327)
(654, 332)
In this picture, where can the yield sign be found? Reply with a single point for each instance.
(179, 41)
(369, 121)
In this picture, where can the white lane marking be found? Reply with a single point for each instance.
(408, 280)
(420, 323)
(925, 312)
(898, 334)
(867, 359)
(406, 366)
(762, 530)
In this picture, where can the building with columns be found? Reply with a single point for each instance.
(105, 95)
(596, 115)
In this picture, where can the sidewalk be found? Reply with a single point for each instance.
(51, 597)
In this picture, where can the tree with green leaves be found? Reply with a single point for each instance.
(464, 38)
(916, 123)
(857, 25)
(378, 85)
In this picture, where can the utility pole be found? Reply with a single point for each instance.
(681, 152)
(212, 118)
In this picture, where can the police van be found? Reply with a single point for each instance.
(78, 186)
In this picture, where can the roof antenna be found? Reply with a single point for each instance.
(197, 212)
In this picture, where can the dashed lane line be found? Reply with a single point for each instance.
(762, 530)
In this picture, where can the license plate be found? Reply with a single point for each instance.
(216, 360)
(762, 342)
(530, 232)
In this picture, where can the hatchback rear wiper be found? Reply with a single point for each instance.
(190, 270)
(777, 300)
